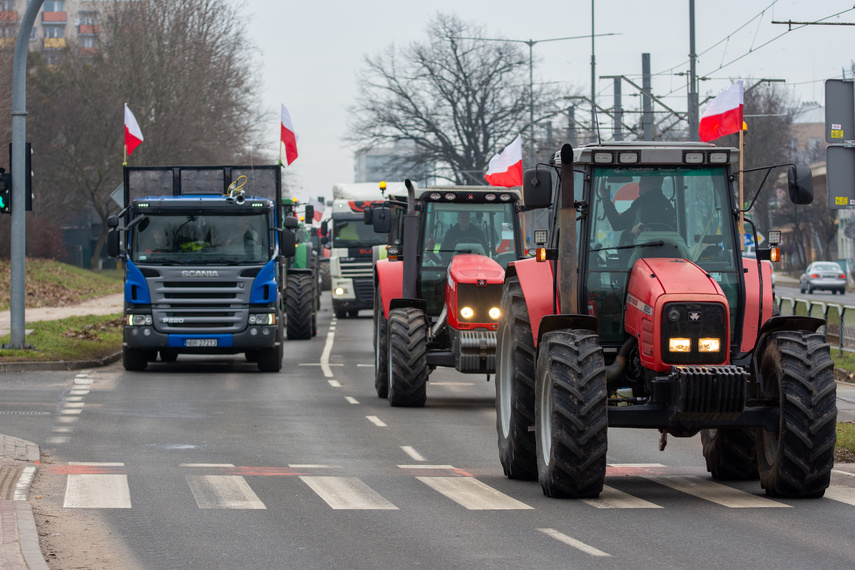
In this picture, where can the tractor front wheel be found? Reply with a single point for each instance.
(570, 414)
(407, 354)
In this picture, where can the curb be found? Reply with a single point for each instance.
(19, 538)
(58, 364)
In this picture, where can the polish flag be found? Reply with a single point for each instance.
(319, 208)
(289, 138)
(133, 134)
(724, 114)
(506, 167)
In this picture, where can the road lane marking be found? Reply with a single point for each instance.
(578, 545)
(62, 429)
(351, 400)
(97, 491)
(347, 493)
(58, 439)
(74, 404)
(325, 355)
(841, 494)
(79, 392)
(67, 419)
(716, 492)
(223, 492)
(312, 466)
(98, 463)
(217, 465)
(376, 421)
(74, 399)
(426, 466)
(70, 412)
(411, 451)
(473, 494)
(334, 383)
(611, 498)
(839, 472)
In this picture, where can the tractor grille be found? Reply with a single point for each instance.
(476, 351)
(709, 390)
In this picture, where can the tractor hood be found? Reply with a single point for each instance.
(474, 268)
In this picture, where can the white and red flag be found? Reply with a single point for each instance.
(288, 137)
(319, 208)
(506, 167)
(133, 134)
(724, 114)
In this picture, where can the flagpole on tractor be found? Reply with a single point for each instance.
(741, 207)
(125, 161)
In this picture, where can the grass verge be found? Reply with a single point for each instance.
(53, 284)
(844, 452)
(75, 338)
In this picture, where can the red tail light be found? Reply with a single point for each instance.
(841, 276)
(814, 276)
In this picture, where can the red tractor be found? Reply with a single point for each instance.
(437, 293)
(656, 323)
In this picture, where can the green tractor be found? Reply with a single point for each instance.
(302, 288)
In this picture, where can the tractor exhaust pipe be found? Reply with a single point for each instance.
(567, 280)
(616, 369)
(411, 248)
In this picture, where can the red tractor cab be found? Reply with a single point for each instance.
(437, 293)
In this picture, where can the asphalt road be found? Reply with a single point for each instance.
(212, 464)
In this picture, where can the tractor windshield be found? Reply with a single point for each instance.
(450, 228)
(656, 212)
(201, 239)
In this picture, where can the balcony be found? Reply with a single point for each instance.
(88, 30)
(55, 43)
(9, 16)
(54, 17)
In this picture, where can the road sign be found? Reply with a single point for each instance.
(840, 177)
(839, 111)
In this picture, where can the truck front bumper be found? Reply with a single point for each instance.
(253, 338)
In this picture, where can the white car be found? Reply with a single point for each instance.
(826, 275)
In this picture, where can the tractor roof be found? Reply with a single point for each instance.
(636, 153)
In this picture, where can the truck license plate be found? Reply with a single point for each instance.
(200, 342)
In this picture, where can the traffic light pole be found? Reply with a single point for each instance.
(18, 241)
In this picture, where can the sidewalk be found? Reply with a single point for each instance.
(98, 306)
(19, 540)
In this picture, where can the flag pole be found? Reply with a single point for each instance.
(125, 161)
(741, 206)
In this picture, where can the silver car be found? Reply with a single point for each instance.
(823, 275)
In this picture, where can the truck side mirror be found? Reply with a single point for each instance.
(112, 240)
(382, 220)
(310, 213)
(368, 215)
(288, 242)
(800, 184)
(290, 223)
(112, 222)
(325, 228)
(537, 188)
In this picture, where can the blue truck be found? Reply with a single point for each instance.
(204, 262)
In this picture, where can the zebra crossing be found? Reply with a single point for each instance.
(225, 486)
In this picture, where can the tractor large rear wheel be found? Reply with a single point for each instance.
(515, 385)
(299, 298)
(731, 453)
(381, 347)
(408, 371)
(796, 461)
(570, 414)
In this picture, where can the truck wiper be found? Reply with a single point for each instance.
(659, 243)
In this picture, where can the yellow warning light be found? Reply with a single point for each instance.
(294, 200)
(541, 254)
(775, 254)
(302, 218)
(382, 185)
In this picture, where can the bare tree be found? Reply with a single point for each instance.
(453, 100)
(186, 70)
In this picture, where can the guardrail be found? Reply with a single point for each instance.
(840, 319)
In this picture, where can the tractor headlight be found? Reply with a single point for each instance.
(709, 344)
(679, 344)
(467, 312)
(494, 313)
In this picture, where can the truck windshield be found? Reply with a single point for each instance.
(205, 239)
(682, 212)
(353, 232)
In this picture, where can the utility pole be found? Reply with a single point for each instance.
(594, 129)
(18, 238)
(618, 118)
(646, 100)
(693, 81)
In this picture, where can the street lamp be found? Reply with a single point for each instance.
(531, 44)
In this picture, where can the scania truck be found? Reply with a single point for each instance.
(351, 262)
(203, 257)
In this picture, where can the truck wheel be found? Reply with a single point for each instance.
(134, 360)
(299, 301)
(381, 348)
(515, 385)
(797, 370)
(731, 453)
(407, 355)
(570, 415)
(270, 359)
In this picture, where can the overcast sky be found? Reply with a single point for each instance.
(311, 52)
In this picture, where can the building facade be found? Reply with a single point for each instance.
(59, 24)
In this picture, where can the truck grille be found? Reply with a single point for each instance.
(356, 269)
(364, 289)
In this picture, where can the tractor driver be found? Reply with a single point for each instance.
(463, 232)
(651, 208)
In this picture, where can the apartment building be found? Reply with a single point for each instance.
(60, 23)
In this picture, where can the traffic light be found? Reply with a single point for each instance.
(5, 192)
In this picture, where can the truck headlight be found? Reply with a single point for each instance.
(339, 291)
(139, 320)
(262, 319)
(679, 344)
(709, 344)
(467, 312)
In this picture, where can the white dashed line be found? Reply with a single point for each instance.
(334, 383)
(578, 545)
(351, 400)
(376, 421)
(414, 455)
(325, 355)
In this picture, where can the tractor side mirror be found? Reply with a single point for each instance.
(382, 220)
(325, 240)
(112, 222)
(288, 242)
(325, 228)
(290, 223)
(112, 241)
(800, 184)
(537, 188)
(310, 213)
(368, 215)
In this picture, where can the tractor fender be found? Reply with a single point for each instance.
(537, 285)
(389, 279)
(777, 324)
(551, 323)
(752, 319)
